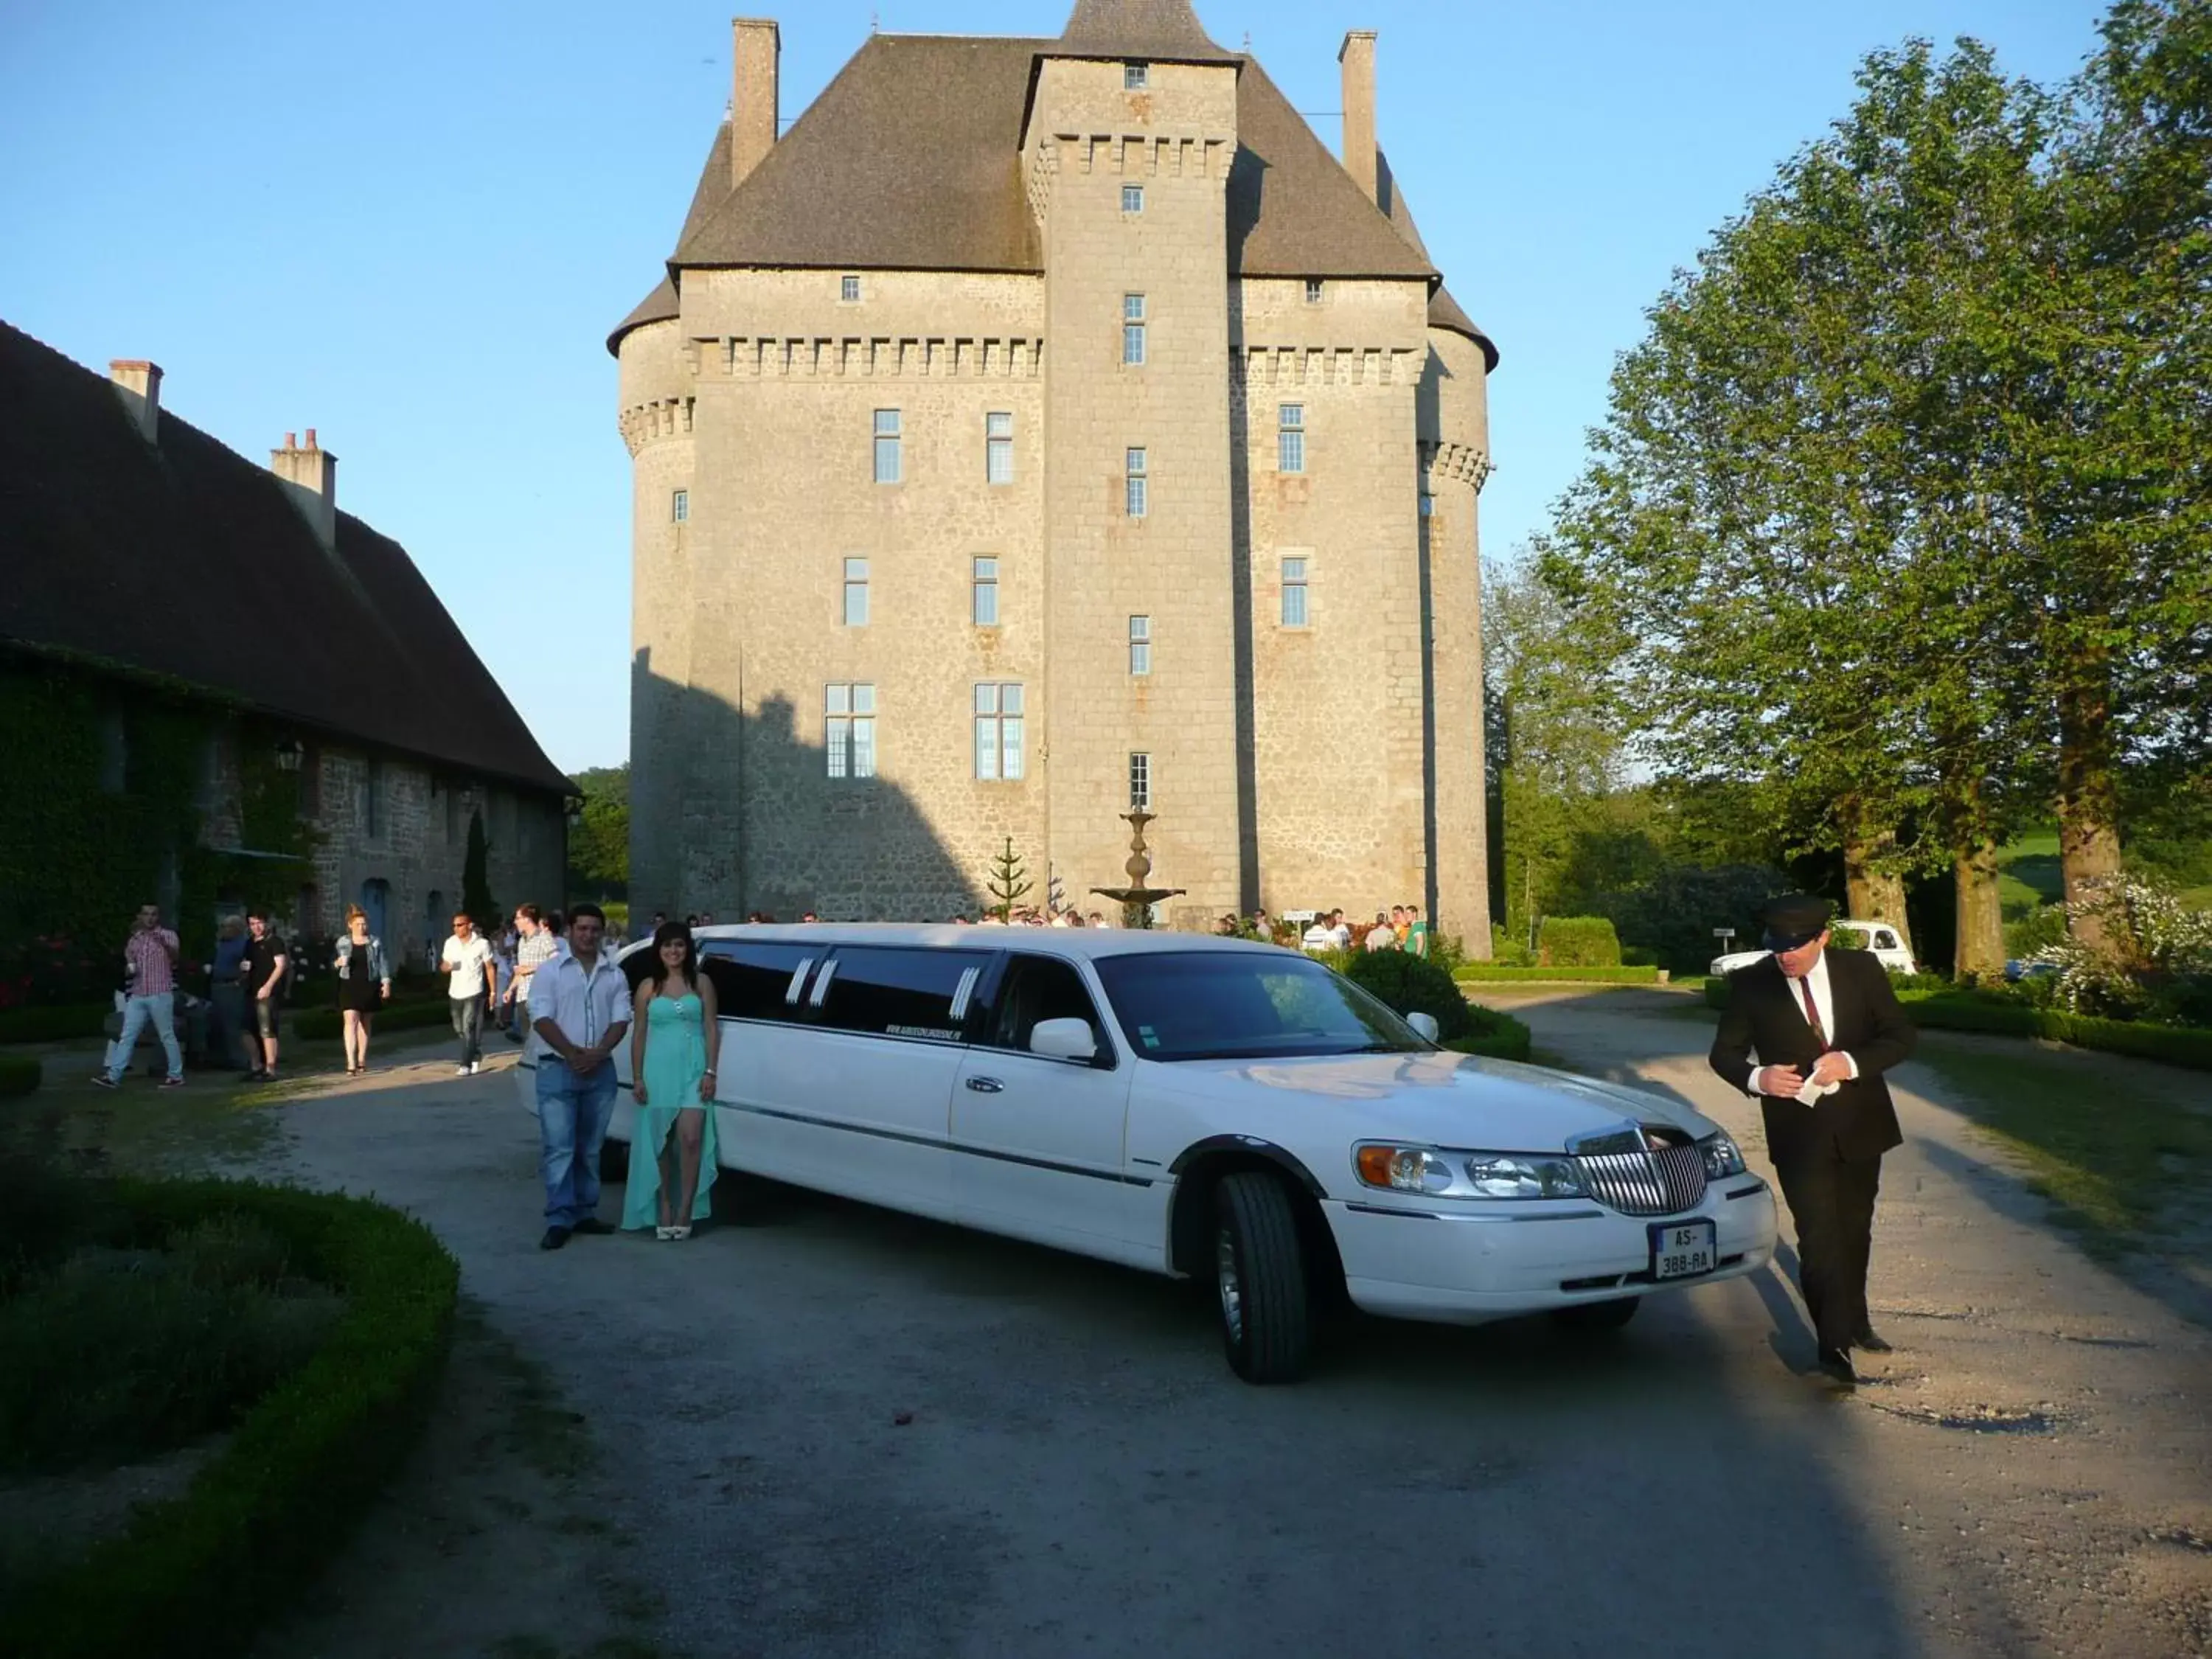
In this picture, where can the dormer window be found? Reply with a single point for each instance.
(1136, 77)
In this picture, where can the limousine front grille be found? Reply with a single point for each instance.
(1653, 1181)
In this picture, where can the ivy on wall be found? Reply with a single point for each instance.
(78, 855)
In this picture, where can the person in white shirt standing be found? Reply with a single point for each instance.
(467, 957)
(580, 1007)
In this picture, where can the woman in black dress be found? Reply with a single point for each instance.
(364, 982)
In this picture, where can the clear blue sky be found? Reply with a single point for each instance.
(411, 226)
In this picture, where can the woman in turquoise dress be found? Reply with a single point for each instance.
(673, 1040)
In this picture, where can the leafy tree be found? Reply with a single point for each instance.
(1008, 880)
(1553, 750)
(475, 884)
(598, 846)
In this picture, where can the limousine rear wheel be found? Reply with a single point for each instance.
(1260, 1279)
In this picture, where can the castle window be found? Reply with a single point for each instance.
(679, 507)
(987, 593)
(849, 730)
(1141, 783)
(1313, 290)
(856, 592)
(114, 753)
(848, 290)
(999, 733)
(371, 801)
(1291, 438)
(1133, 198)
(999, 448)
(1428, 505)
(1140, 645)
(1137, 496)
(1294, 593)
(888, 468)
(1136, 77)
(1133, 330)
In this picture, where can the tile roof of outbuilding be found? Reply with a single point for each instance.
(185, 560)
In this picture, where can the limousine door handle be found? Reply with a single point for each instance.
(985, 1086)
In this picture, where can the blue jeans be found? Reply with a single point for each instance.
(572, 1123)
(137, 1011)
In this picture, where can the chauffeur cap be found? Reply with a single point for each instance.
(1795, 918)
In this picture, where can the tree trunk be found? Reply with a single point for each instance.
(2089, 806)
(1980, 951)
(1871, 894)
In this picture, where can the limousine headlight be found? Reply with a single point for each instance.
(1723, 1157)
(1468, 1175)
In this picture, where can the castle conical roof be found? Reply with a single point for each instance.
(1165, 31)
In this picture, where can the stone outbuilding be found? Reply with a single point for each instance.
(218, 688)
(1038, 428)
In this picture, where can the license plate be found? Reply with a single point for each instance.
(1681, 1250)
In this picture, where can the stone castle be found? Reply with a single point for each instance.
(1038, 428)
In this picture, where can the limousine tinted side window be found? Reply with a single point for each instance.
(752, 977)
(888, 991)
(1035, 989)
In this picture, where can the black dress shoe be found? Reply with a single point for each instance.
(1836, 1365)
(591, 1224)
(1866, 1339)
(554, 1239)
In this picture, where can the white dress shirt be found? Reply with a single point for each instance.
(1824, 999)
(585, 1006)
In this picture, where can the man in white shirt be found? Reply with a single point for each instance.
(1380, 936)
(579, 1005)
(470, 990)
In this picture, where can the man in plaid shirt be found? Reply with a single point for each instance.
(151, 955)
(538, 945)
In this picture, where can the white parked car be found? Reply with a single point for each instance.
(1884, 940)
(1210, 1108)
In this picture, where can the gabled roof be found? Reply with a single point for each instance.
(910, 159)
(189, 561)
(1158, 31)
(1293, 210)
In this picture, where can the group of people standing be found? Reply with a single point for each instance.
(246, 980)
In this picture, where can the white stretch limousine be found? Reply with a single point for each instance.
(1207, 1108)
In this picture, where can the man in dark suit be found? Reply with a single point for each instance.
(1825, 1025)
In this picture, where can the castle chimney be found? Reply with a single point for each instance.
(758, 49)
(138, 384)
(309, 474)
(1358, 59)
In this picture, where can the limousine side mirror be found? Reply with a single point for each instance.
(1063, 1039)
(1424, 1025)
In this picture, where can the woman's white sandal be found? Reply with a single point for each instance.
(679, 1232)
(663, 1234)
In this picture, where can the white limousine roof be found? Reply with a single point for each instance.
(1075, 942)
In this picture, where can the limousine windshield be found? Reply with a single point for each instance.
(1210, 1004)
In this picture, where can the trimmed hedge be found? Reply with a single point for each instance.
(1500, 1036)
(54, 1022)
(1967, 1011)
(408, 1016)
(1578, 942)
(1475, 973)
(1412, 984)
(19, 1074)
(190, 1578)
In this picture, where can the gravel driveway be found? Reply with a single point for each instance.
(2031, 1473)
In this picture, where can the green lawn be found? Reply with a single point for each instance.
(2124, 1150)
(2027, 873)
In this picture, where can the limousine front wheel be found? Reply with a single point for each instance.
(1259, 1274)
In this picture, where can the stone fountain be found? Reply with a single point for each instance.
(1138, 899)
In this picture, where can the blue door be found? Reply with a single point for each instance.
(375, 895)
